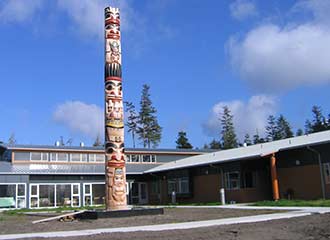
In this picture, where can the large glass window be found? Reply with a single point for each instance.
(43, 195)
(94, 194)
(46, 195)
(232, 180)
(63, 195)
(12, 196)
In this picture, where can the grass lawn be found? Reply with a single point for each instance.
(295, 203)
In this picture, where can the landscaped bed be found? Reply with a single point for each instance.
(294, 203)
(18, 222)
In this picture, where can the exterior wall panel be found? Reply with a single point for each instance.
(206, 188)
(305, 182)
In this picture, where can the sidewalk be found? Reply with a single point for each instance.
(298, 212)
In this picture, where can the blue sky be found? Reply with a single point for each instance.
(257, 57)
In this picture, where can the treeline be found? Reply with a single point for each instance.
(277, 128)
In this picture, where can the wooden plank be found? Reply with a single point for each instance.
(58, 217)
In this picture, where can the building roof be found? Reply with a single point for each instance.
(67, 169)
(101, 149)
(249, 152)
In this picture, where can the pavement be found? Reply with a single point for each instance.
(296, 212)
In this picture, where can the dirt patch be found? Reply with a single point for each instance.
(23, 223)
(314, 227)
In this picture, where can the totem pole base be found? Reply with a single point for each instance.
(140, 211)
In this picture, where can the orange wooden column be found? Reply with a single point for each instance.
(276, 195)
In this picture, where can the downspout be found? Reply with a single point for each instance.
(320, 167)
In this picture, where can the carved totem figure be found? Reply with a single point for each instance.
(114, 116)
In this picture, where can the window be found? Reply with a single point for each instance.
(232, 180)
(21, 156)
(153, 158)
(54, 195)
(77, 157)
(46, 195)
(12, 195)
(135, 158)
(249, 179)
(62, 157)
(184, 185)
(326, 169)
(155, 187)
(146, 158)
(179, 185)
(127, 158)
(100, 158)
(58, 157)
(91, 157)
(38, 156)
(94, 194)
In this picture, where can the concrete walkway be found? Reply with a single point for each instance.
(299, 212)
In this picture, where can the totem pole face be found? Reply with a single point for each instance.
(114, 114)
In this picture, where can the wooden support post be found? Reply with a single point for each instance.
(276, 195)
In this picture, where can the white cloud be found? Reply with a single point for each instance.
(248, 117)
(275, 59)
(79, 117)
(242, 9)
(88, 16)
(19, 10)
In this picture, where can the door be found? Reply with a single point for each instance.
(139, 193)
(143, 196)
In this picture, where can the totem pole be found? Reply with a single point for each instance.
(114, 118)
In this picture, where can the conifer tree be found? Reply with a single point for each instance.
(319, 122)
(214, 144)
(228, 135)
(132, 120)
(299, 132)
(182, 141)
(271, 130)
(283, 128)
(12, 140)
(148, 129)
(257, 139)
(97, 141)
(247, 140)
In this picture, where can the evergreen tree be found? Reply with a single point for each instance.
(98, 141)
(283, 128)
(247, 140)
(228, 135)
(257, 139)
(148, 129)
(12, 140)
(319, 122)
(182, 141)
(206, 146)
(214, 144)
(299, 132)
(271, 130)
(132, 120)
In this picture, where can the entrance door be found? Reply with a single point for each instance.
(139, 193)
